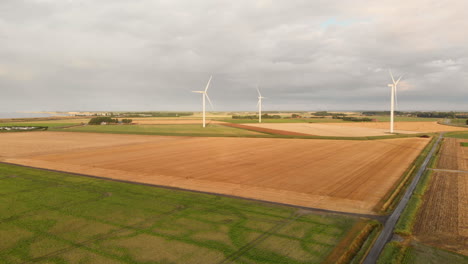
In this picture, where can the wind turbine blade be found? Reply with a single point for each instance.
(198, 92)
(393, 79)
(259, 94)
(398, 80)
(209, 101)
(258, 103)
(208, 84)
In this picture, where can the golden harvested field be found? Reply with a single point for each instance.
(320, 129)
(443, 219)
(358, 129)
(350, 176)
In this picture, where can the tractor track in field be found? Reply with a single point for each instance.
(380, 218)
(265, 130)
(244, 249)
(137, 226)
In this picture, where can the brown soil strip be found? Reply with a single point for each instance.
(443, 217)
(265, 130)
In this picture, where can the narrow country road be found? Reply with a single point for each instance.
(389, 225)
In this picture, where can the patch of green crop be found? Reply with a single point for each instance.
(51, 217)
(462, 135)
(418, 253)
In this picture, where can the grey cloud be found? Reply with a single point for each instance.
(149, 55)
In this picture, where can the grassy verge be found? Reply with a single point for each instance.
(50, 217)
(464, 144)
(366, 246)
(354, 247)
(391, 199)
(407, 219)
(392, 253)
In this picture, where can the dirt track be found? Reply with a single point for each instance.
(265, 129)
(350, 176)
(443, 219)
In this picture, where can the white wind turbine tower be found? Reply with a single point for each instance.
(259, 104)
(393, 87)
(205, 94)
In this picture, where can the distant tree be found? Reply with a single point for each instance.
(127, 121)
(321, 113)
(98, 120)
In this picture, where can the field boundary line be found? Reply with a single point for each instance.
(380, 218)
(389, 225)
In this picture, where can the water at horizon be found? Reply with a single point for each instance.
(23, 115)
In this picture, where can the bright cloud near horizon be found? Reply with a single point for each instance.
(142, 55)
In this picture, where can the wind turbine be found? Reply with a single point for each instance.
(259, 104)
(393, 87)
(205, 94)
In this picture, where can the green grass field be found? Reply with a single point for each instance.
(421, 254)
(461, 135)
(417, 253)
(183, 130)
(49, 217)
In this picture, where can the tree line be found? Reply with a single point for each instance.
(108, 120)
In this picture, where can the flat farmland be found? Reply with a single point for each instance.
(49, 217)
(350, 176)
(404, 127)
(328, 129)
(443, 218)
(359, 129)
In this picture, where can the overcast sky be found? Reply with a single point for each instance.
(304, 55)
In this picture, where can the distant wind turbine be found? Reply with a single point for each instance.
(259, 104)
(205, 94)
(393, 87)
